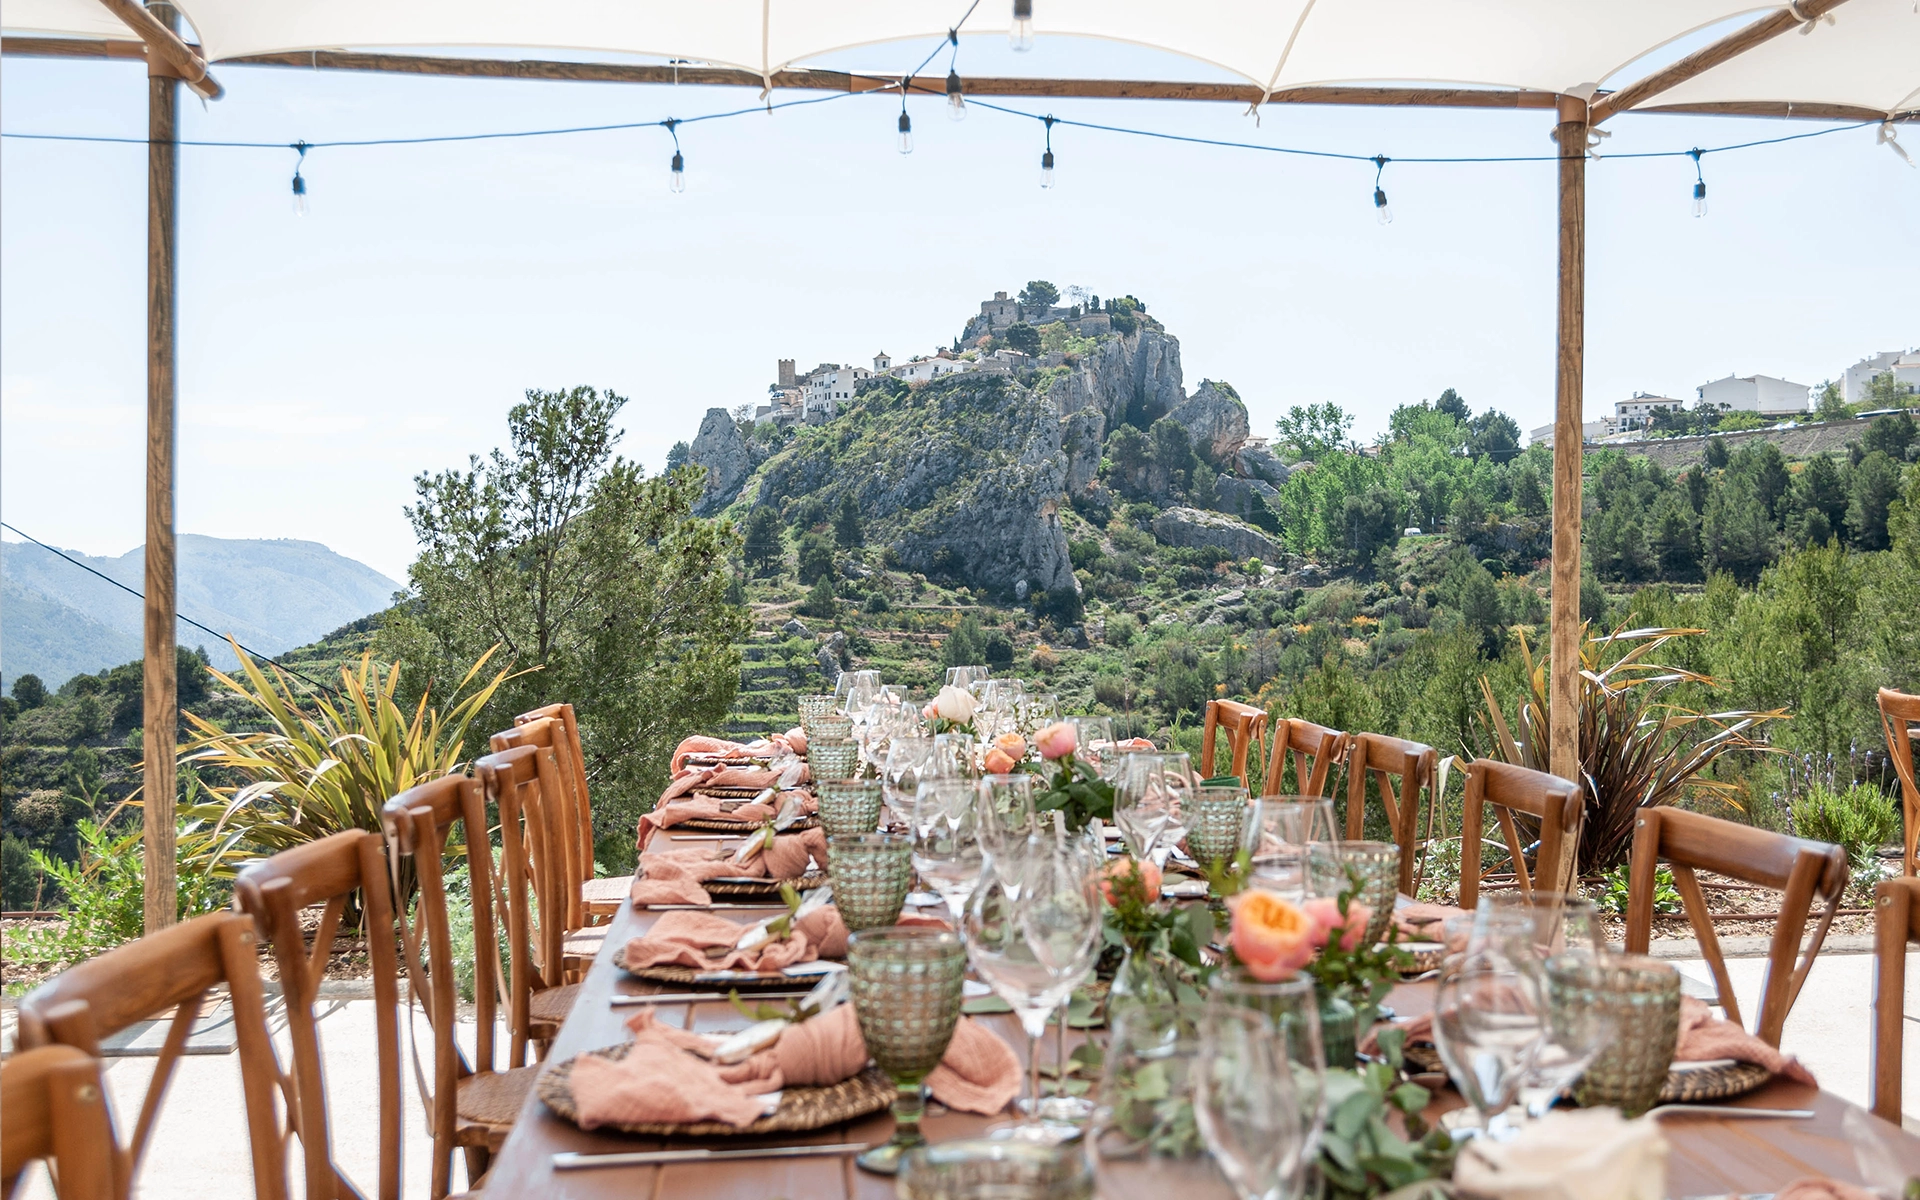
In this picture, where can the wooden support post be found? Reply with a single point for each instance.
(1564, 716)
(159, 733)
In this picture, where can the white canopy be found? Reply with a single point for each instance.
(1870, 56)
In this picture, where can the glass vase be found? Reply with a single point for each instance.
(1339, 1031)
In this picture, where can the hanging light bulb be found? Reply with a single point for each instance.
(1699, 184)
(1381, 212)
(299, 182)
(677, 181)
(1021, 35)
(906, 132)
(1046, 169)
(956, 99)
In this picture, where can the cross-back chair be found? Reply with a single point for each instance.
(174, 970)
(1387, 759)
(1554, 803)
(1246, 728)
(538, 997)
(563, 845)
(55, 1103)
(1802, 871)
(603, 897)
(1899, 713)
(331, 872)
(1315, 750)
(1896, 925)
(471, 1106)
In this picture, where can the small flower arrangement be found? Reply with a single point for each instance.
(1274, 939)
(951, 710)
(1072, 787)
(1164, 945)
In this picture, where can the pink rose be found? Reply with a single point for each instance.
(1324, 913)
(1272, 938)
(1057, 741)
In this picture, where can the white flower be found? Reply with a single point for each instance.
(954, 704)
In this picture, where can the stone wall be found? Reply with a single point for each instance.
(1677, 454)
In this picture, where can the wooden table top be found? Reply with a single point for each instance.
(1710, 1156)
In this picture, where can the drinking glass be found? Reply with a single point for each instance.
(1574, 1034)
(1370, 869)
(1153, 791)
(832, 759)
(905, 985)
(1487, 1023)
(855, 690)
(908, 759)
(871, 873)
(830, 727)
(1143, 1146)
(1292, 1008)
(1245, 1104)
(946, 840)
(953, 755)
(1277, 834)
(1062, 914)
(1037, 711)
(1093, 745)
(972, 1168)
(965, 677)
(1006, 821)
(849, 807)
(1218, 817)
(812, 708)
(1642, 996)
(1551, 923)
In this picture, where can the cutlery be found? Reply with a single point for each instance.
(707, 907)
(697, 997)
(649, 1158)
(1727, 1110)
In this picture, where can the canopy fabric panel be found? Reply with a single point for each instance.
(1869, 58)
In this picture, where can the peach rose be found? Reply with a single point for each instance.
(1272, 937)
(1325, 915)
(1057, 741)
(1120, 868)
(999, 762)
(1011, 744)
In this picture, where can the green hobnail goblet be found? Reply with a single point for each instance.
(850, 807)
(1214, 825)
(1642, 997)
(832, 759)
(871, 875)
(906, 995)
(1373, 868)
(812, 708)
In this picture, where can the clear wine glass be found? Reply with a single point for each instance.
(1063, 918)
(1487, 1023)
(1006, 821)
(1148, 802)
(1279, 830)
(1553, 922)
(1573, 1035)
(946, 840)
(1245, 1104)
(953, 755)
(908, 757)
(965, 677)
(1292, 1007)
(1093, 745)
(1143, 1143)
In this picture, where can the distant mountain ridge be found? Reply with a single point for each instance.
(57, 621)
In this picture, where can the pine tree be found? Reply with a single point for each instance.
(847, 531)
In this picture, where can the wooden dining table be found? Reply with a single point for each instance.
(1710, 1156)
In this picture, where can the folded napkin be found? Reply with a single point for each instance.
(685, 938)
(1815, 1188)
(1424, 922)
(1704, 1036)
(713, 749)
(671, 812)
(1589, 1154)
(978, 1074)
(674, 876)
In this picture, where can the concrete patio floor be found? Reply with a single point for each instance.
(199, 1148)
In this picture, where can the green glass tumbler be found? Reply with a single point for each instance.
(850, 807)
(871, 875)
(906, 995)
(1642, 996)
(1006, 1170)
(1217, 817)
(832, 759)
(812, 708)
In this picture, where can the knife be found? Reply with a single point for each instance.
(624, 1001)
(650, 1158)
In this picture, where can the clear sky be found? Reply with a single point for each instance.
(325, 360)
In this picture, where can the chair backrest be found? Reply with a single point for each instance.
(1899, 713)
(1551, 801)
(418, 822)
(531, 884)
(333, 872)
(1246, 728)
(1315, 750)
(172, 970)
(572, 838)
(1387, 759)
(56, 1110)
(573, 766)
(1896, 925)
(1802, 871)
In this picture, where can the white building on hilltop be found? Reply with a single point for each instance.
(824, 387)
(1905, 368)
(1763, 394)
(1637, 412)
(921, 369)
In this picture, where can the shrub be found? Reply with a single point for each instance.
(877, 602)
(1043, 658)
(1122, 628)
(820, 600)
(105, 905)
(1859, 818)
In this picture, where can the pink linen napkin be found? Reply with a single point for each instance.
(684, 938)
(658, 1080)
(669, 813)
(1816, 1188)
(674, 875)
(1423, 922)
(1704, 1036)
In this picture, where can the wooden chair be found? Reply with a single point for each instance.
(1899, 712)
(470, 1105)
(331, 872)
(1246, 728)
(172, 970)
(1896, 925)
(538, 997)
(56, 1110)
(1315, 750)
(603, 897)
(559, 813)
(1386, 759)
(1801, 870)
(1552, 801)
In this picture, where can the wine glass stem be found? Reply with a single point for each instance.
(909, 1105)
(1033, 1075)
(1060, 1050)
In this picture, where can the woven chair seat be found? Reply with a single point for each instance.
(612, 889)
(494, 1100)
(583, 943)
(552, 1006)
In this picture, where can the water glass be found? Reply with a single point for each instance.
(908, 760)
(1154, 791)
(849, 807)
(871, 875)
(946, 840)
(1245, 1105)
(1544, 923)
(830, 727)
(812, 708)
(1575, 1033)
(1642, 997)
(953, 755)
(1214, 826)
(1006, 818)
(965, 677)
(1370, 869)
(1145, 1147)
(1277, 834)
(831, 760)
(905, 985)
(1487, 1020)
(971, 1168)
(1292, 1008)
(1094, 745)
